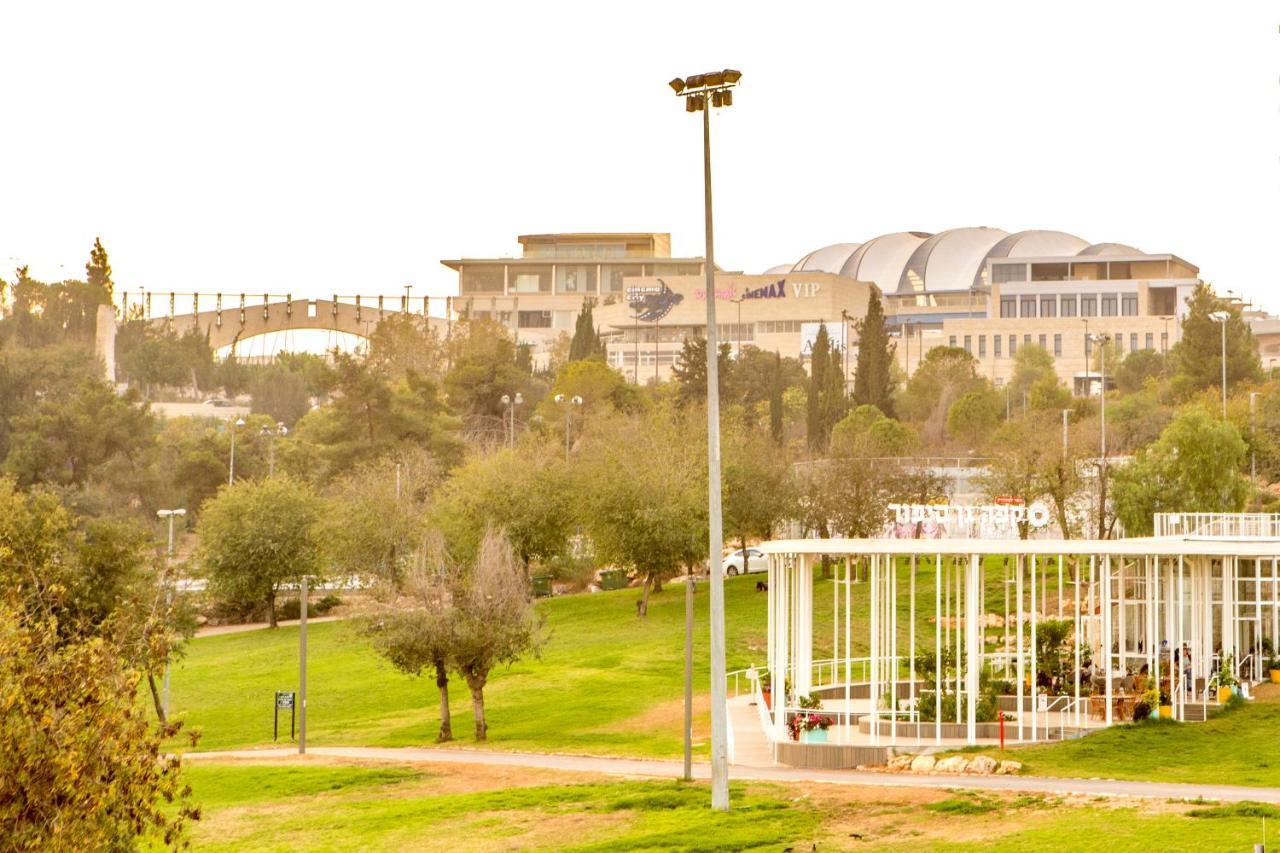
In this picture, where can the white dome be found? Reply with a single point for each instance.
(1031, 244)
(826, 259)
(1110, 249)
(949, 260)
(880, 260)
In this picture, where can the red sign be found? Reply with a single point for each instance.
(1009, 500)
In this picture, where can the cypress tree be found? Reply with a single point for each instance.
(819, 367)
(98, 270)
(586, 343)
(873, 375)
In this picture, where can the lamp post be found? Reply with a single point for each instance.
(568, 403)
(1102, 466)
(700, 92)
(231, 474)
(1222, 317)
(511, 403)
(169, 514)
(1253, 429)
(270, 434)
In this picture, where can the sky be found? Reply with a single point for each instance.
(326, 148)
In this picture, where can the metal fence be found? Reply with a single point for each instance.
(1252, 525)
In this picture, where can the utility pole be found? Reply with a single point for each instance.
(169, 514)
(302, 670)
(231, 473)
(1222, 317)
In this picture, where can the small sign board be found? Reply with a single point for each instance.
(284, 701)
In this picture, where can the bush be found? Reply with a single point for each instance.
(292, 608)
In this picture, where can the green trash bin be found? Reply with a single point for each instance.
(542, 586)
(613, 579)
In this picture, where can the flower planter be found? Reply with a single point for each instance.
(813, 736)
(768, 698)
(1275, 676)
(1224, 695)
(1166, 712)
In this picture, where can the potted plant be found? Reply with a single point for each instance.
(1273, 669)
(1226, 681)
(1166, 705)
(808, 727)
(766, 689)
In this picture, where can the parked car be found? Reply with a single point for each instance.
(218, 402)
(754, 561)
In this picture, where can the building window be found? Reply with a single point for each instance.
(1013, 345)
(1028, 306)
(1150, 340)
(996, 341)
(612, 275)
(1118, 271)
(1109, 306)
(1164, 342)
(1057, 346)
(1068, 306)
(1044, 342)
(1133, 342)
(535, 319)
(1001, 273)
(1008, 306)
(1129, 305)
(1048, 306)
(953, 342)
(781, 327)
(481, 280)
(982, 346)
(575, 278)
(1119, 339)
(1026, 340)
(968, 344)
(530, 279)
(1089, 306)
(1049, 272)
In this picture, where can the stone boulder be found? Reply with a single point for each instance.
(899, 763)
(923, 764)
(1009, 768)
(982, 765)
(953, 764)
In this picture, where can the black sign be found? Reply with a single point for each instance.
(284, 701)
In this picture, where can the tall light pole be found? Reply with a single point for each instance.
(270, 434)
(169, 514)
(700, 92)
(568, 403)
(1101, 340)
(1253, 431)
(1222, 317)
(511, 403)
(231, 474)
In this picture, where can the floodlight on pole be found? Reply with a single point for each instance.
(699, 91)
(231, 469)
(1102, 340)
(1222, 317)
(170, 515)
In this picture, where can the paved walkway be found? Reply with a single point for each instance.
(215, 630)
(673, 769)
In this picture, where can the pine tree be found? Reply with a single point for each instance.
(98, 270)
(586, 343)
(819, 366)
(1197, 357)
(873, 376)
(833, 397)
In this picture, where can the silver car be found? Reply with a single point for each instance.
(738, 564)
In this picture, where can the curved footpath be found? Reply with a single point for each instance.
(673, 769)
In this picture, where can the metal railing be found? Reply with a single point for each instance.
(1261, 525)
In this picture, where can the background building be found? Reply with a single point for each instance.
(991, 292)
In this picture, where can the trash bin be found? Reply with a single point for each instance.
(613, 579)
(541, 586)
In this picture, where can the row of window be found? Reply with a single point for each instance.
(1070, 305)
(1147, 340)
(569, 278)
(1083, 271)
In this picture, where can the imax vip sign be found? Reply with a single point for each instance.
(780, 289)
(991, 516)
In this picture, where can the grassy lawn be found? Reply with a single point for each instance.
(606, 683)
(330, 806)
(1233, 748)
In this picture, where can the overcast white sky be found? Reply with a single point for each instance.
(319, 148)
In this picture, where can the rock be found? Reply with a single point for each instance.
(954, 764)
(982, 765)
(899, 763)
(923, 764)
(1010, 768)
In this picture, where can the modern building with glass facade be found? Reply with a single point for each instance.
(990, 292)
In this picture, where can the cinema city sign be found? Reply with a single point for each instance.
(992, 515)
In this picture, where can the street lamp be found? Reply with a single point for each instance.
(270, 434)
(231, 474)
(1222, 317)
(701, 91)
(1101, 340)
(575, 400)
(169, 514)
(511, 403)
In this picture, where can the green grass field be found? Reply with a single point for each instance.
(317, 806)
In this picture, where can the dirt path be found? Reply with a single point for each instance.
(672, 769)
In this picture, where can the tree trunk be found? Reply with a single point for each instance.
(475, 681)
(155, 697)
(657, 583)
(642, 606)
(271, 608)
(446, 723)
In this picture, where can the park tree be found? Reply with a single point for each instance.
(974, 416)
(404, 343)
(1197, 356)
(413, 623)
(259, 536)
(586, 342)
(280, 394)
(81, 768)
(826, 390)
(643, 488)
(98, 269)
(524, 492)
(483, 368)
(867, 432)
(690, 370)
(1137, 368)
(601, 387)
(945, 375)
(1193, 467)
(873, 383)
(496, 621)
(1026, 466)
(756, 485)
